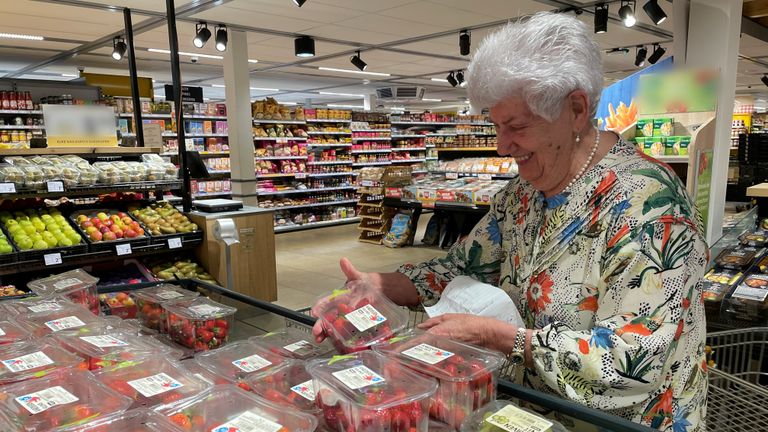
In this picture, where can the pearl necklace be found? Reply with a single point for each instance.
(587, 163)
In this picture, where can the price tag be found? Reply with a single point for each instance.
(174, 243)
(55, 186)
(484, 176)
(7, 188)
(123, 249)
(367, 183)
(301, 175)
(451, 176)
(52, 259)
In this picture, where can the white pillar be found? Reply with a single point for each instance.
(238, 81)
(680, 14)
(714, 29)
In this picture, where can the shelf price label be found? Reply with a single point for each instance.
(301, 175)
(174, 243)
(366, 183)
(484, 176)
(55, 186)
(7, 188)
(52, 259)
(123, 249)
(451, 175)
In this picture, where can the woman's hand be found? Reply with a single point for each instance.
(477, 330)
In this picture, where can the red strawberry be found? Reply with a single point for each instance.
(210, 324)
(205, 335)
(220, 332)
(222, 323)
(361, 303)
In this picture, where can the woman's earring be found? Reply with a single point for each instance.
(578, 138)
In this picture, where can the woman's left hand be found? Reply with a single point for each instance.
(472, 329)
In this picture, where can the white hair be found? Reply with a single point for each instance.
(543, 59)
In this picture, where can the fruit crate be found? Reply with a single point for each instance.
(187, 239)
(106, 245)
(12, 257)
(37, 255)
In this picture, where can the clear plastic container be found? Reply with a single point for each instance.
(356, 318)
(76, 285)
(59, 401)
(10, 332)
(137, 420)
(11, 174)
(33, 176)
(155, 171)
(108, 347)
(119, 304)
(504, 416)
(466, 374)
(109, 173)
(288, 383)
(70, 175)
(31, 305)
(89, 176)
(238, 361)
(152, 382)
(293, 343)
(34, 359)
(202, 373)
(199, 323)
(368, 392)
(70, 318)
(228, 408)
(150, 301)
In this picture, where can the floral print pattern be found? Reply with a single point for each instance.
(607, 274)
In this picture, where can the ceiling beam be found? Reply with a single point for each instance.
(753, 28)
(755, 9)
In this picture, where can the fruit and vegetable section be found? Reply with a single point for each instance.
(87, 354)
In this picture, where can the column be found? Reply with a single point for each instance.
(239, 120)
(714, 28)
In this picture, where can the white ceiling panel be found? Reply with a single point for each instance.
(358, 5)
(312, 12)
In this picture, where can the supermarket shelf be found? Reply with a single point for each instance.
(95, 190)
(275, 175)
(364, 164)
(408, 160)
(475, 124)
(328, 121)
(79, 150)
(408, 136)
(394, 149)
(466, 149)
(284, 228)
(387, 150)
(279, 157)
(475, 134)
(423, 123)
(419, 172)
(376, 218)
(365, 240)
(371, 130)
(440, 135)
(202, 153)
(432, 158)
(364, 204)
(21, 112)
(147, 116)
(219, 172)
(333, 174)
(373, 230)
(672, 159)
(328, 145)
(204, 135)
(263, 121)
(371, 139)
(298, 191)
(203, 116)
(165, 135)
(279, 138)
(211, 194)
(9, 127)
(339, 162)
(328, 133)
(321, 204)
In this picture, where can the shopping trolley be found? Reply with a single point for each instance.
(738, 380)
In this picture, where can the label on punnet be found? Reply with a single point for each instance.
(248, 422)
(38, 402)
(27, 362)
(305, 390)
(358, 377)
(155, 384)
(427, 354)
(64, 323)
(366, 317)
(251, 363)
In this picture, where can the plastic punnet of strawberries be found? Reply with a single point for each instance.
(22, 361)
(70, 318)
(11, 332)
(76, 285)
(466, 374)
(357, 318)
(149, 304)
(366, 392)
(238, 361)
(200, 324)
(293, 343)
(135, 420)
(287, 384)
(227, 408)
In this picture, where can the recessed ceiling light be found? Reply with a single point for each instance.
(431, 100)
(218, 85)
(21, 36)
(188, 54)
(287, 103)
(352, 71)
(265, 89)
(344, 106)
(443, 80)
(252, 61)
(341, 94)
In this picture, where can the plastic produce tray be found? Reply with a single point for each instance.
(108, 245)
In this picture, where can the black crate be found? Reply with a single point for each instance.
(187, 239)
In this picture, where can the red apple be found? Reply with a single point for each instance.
(91, 229)
(108, 223)
(119, 233)
(126, 220)
(95, 236)
(109, 236)
(122, 214)
(115, 228)
(129, 233)
(85, 224)
(96, 221)
(81, 218)
(104, 229)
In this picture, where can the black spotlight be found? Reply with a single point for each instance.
(304, 46)
(358, 62)
(452, 80)
(118, 47)
(601, 18)
(640, 56)
(655, 12)
(299, 3)
(627, 13)
(202, 34)
(465, 41)
(764, 79)
(221, 37)
(658, 52)
(460, 78)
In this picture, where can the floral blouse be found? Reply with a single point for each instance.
(607, 274)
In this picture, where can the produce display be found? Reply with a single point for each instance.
(238, 361)
(183, 269)
(30, 305)
(10, 290)
(150, 304)
(504, 416)
(138, 420)
(293, 343)
(38, 229)
(367, 392)
(227, 408)
(119, 304)
(202, 373)
(288, 384)
(151, 382)
(355, 318)
(466, 375)
(163, 218)
(199, 323)
(10, 332)
(107, 225)
(106, 347)
(75, 285)
(69, 317)
(57, 402)
(34, 359)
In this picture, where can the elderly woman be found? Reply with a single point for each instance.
(599, 246)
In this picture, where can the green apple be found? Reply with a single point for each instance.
(65, 242)
(40, 244)
(5, 248)
(24, 243)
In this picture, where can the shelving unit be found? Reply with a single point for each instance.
(374, 220)
(20, 135)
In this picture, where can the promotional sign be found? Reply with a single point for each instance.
(188, 94)
(703, 182)
(681, 91)
(80, 126)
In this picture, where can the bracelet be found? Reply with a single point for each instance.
(517, 356)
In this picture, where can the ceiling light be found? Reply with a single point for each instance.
(431, 100)
(299, 3)
(189, 54)
(118, 47)
(358, 62)
(265, 89)
(640, 56)
(465, 41)
(202, 34)
(69, 75)
(440, 80)
(601, 18)
(452, 80)
(304, 46)
(657, 53)
(287, 103)
(344, 106)
(460, 79)
(221, 38)
(655, 12)
(20, 36)
(764, 79)
(252, 61)
(218, 85)
(341, 94)
(627, 13)
(353, 71)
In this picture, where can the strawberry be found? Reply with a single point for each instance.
(220, 332)
(181, 419)
(210, 324)
(222, 323)
(205, 335)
